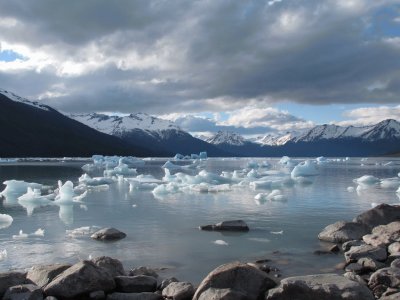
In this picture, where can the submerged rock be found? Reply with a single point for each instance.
(108, 234)
(43, 274)
(238, 277)
(234, 225)
(82, 278)
(342, 231)
(383, 235)
(317, 287)
(24, 292)
(380, 215)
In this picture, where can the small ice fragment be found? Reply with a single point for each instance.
(134, 205)
(374, 204)
(305, 168)
(5, 220)
(277, 232)
(350, 189)
(20, 236)
(221, 242)
(260, 240)
(3, 254)
(39, 232)
(367, 180)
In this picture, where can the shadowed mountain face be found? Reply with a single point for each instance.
(28, 129)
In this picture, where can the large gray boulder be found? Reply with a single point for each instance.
(238, 277)
(82, 278)
(383, 279)
(234, 225)
(222, 294)
(379, 215)
(318, 287)
(114, 266)
(179, 291)
(342, 231)
(135, 284)
(394, 248)
(24, 292)
(357, 252)
(43, 274)
(108, 234)
(9, 279)
(134, 296)
(383, 235)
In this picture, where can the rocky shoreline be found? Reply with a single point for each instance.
(371, 270)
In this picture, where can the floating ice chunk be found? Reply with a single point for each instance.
(132, 161)
(366, 180)
(3, 255)
(351, 189)
(275, 195)
(390, 183)
(169, 188)
(390, 163)
(65, 192)
(171, 166)
(398, 191)
(39, 232)
(87, 180)
(16, 188)
(134, 205)
(221, 243)
(277, 232)
(287, 161)
(207, 188)
(253, 165)
(364, 159)
(5, 221)
(304, 180)
(20, 236)
(374, 204)
(260, 240)
(305, 168)
(33, 198)
(178, 156)
(252, 174)
(80, 197)
(322, 160)
(84, 207)
(81, 231)
(121, 169)
(203, 155)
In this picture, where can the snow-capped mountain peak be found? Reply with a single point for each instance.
(117, 125)
(275, 140)
(227, 137)
(17, 98)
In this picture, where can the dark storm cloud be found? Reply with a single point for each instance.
(192, 56)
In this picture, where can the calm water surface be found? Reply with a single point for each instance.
(163, 232)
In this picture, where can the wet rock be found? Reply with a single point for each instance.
(222, 294)
(108, 234)
(357, 252)
(238, 277)
(347, 245)
(320, 286)
(342, 231)
(24, 292)
(354, 267)
(143, 271)
(112, 265)
(179, 291)
(355, 277)
(387, 278)
(383, 235)
(43, 274)
(379, 215)
(394, 248)
(334, 249)
(97, 295)
(82, 278)
(370, 264)
(166, 282)
(395, 263)
(135, 284)
(234, 225)
(9, 279)
(134, 296)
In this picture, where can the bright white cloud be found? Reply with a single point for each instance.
(370, 115)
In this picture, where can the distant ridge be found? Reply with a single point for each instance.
(30, 129)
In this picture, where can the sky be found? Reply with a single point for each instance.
(253, 67)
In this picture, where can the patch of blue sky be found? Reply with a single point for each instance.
(9, 55)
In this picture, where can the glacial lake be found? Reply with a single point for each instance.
(162, 230)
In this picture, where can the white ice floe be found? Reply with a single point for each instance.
(89, 181)
(221, 243)
(82, 231)
(65, 192)
(16, 188)
(3, 254)
(207, 188)
(390, 183)
(121, 169)
(33, 198)
(275, 195)
(322, 160)
(351, 189)
(5, 221)
(20, 236)
(39, 232)
(252, 164)
(305, 168)
(277, 232)
(287, 161)
(367, 180)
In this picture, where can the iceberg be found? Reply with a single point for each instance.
(121, 169)
(33, 198)
(5, 221)
(367, 180)
(275, 195)
(390, 183)
(95, 181)
(305, 168)
(16, 188)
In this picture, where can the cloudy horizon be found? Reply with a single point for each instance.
(253, 66)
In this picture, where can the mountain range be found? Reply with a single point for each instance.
(28, 128)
